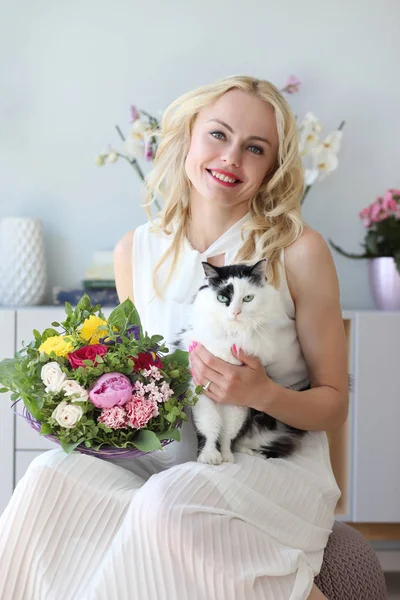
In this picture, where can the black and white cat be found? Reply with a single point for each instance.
(237, 306)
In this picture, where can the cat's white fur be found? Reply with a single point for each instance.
(215, 326)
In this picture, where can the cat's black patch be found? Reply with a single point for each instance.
(263, 420)
(217, 275)
(203, 287)
(227, 291)
(201, 441)
(281, 448)
(178, 342)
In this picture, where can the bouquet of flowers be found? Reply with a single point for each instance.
(320, 155)
(102, 387)
(382, 222)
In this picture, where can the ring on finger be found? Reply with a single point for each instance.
(207, 386)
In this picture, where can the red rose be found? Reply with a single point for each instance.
(86, 353)
(145, 360)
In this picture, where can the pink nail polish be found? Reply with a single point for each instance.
(190, 347)
(234, 348)
(194, 344)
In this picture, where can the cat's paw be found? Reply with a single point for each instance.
(210, 457)
(245, 450)
(227, 456)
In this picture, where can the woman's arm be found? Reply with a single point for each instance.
(123, 267)
(314, 287)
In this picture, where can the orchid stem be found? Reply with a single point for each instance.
(308, 187)
(134, 163)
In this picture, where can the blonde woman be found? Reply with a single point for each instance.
(230, 175)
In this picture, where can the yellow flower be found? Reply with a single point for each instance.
(93, 329)
(57, 344)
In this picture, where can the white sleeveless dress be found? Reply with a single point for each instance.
(164, 527)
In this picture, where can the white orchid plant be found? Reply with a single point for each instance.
(319, 154)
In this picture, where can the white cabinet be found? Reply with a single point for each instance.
(27, 320)
(7, 345)
(376, 414)
(365, 452)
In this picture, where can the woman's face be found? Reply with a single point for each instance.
(233, 147)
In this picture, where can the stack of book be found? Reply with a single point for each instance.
(99, 284)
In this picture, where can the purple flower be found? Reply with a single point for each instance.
(292, 85)
(133, 330)
(134, 114)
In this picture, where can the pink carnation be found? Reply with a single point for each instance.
(115, 417)
(140, 410)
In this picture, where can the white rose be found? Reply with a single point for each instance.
(52, 377)
(74, 391)
(67, 415)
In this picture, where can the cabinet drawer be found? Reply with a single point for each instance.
(29, 439)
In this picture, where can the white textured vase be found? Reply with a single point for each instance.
(23, 273)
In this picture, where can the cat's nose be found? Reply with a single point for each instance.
(236, 313)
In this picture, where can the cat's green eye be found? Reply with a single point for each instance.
(248, 298)
(222, 298)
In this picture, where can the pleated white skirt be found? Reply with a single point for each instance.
(80, 528)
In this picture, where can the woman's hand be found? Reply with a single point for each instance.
(241, 385)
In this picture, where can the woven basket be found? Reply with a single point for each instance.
(104, 452)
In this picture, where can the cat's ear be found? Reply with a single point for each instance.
(259, 269)
(210, 271)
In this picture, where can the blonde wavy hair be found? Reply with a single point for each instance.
(276, 219)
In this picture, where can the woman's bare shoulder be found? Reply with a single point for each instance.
(123, 266)
(308, 244)
(309, 263)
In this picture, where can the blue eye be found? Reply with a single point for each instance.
(222, 298)
(218, 135)
(256, 150)
(248, 298)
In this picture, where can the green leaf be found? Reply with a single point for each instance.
(49, 332)
(179, 357)
(347, 254)
(69, 447)
(8, 370)
(172, 434)
(146, 441)
(37, 335)
(397, 260)
(45, 429)
(84, 304)
(371, 243)
(124, 315)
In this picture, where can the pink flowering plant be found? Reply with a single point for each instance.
(381, 220)
(91, 383)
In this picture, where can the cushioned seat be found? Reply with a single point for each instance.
(351, 569)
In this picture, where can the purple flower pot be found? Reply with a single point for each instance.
(385, 283)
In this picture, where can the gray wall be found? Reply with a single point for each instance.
(69, 72)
